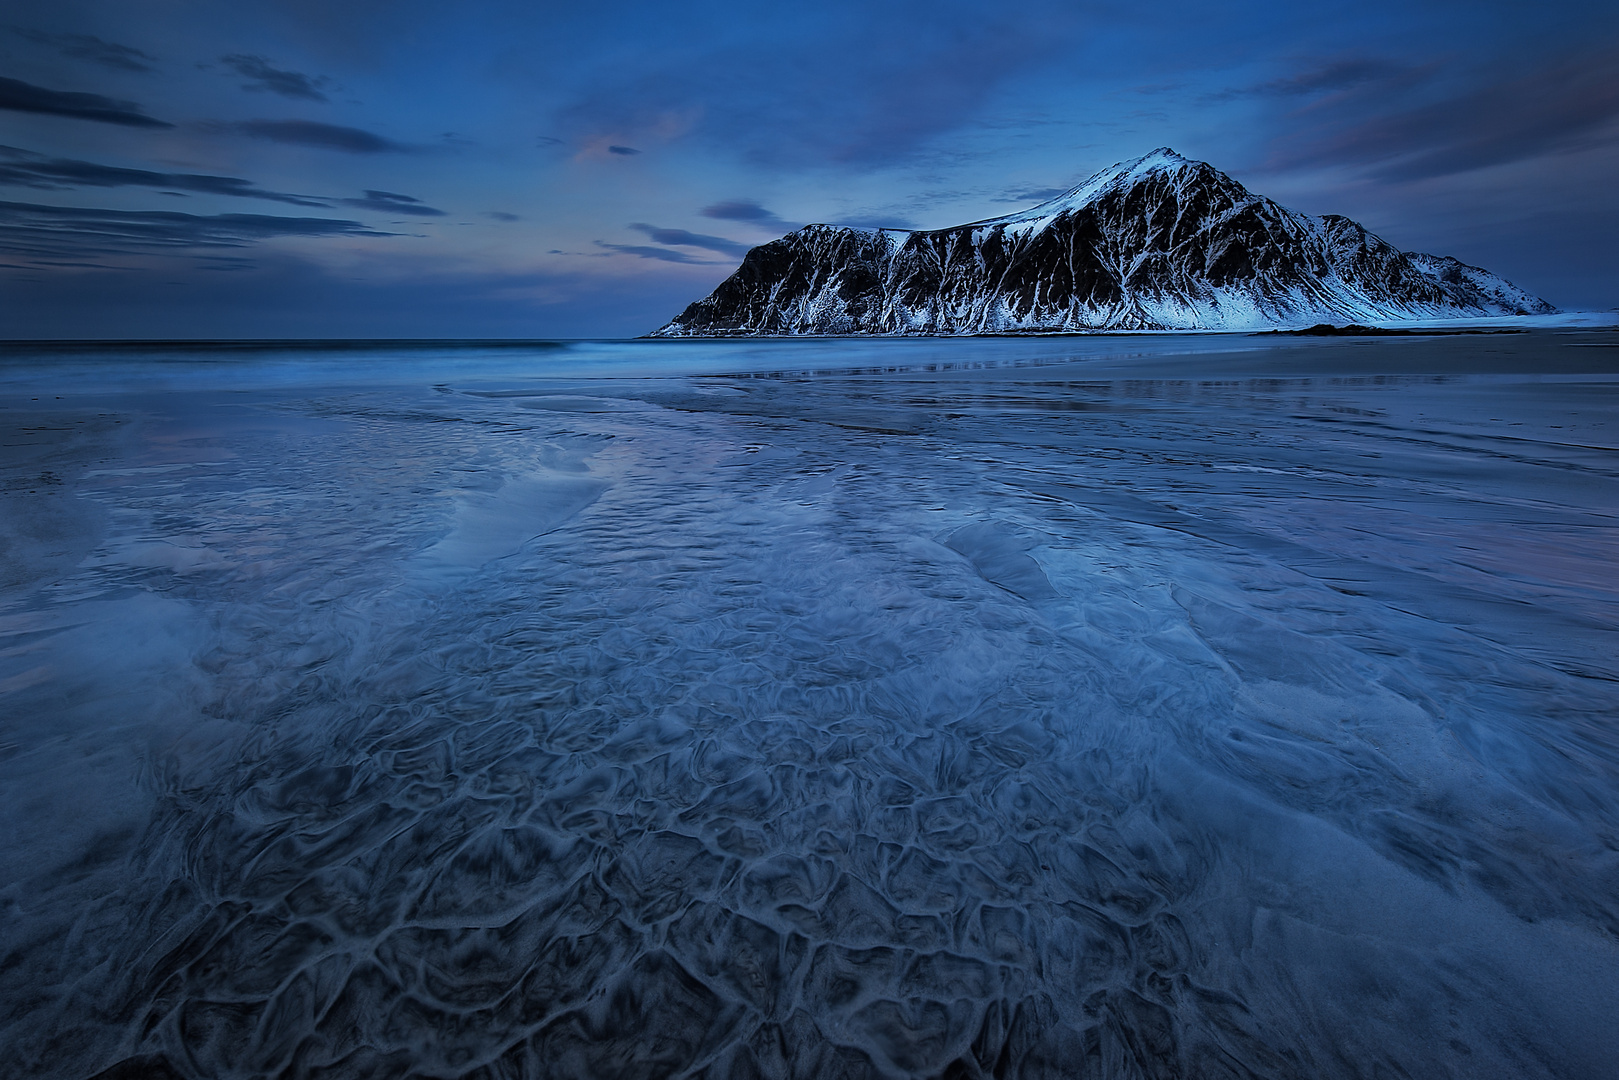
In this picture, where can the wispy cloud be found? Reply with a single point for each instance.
(1031, 196)
(660, 254)
(1333, 76)
(1563, 105)
(260, 75)
(227, 296)
(108, 54)
(23, 168)
(388, 202)
(350, 140)
(502, 215)
(747, 210)
(47, 233)
(683, 238)
(624, 151)
(859, 85)
(19, 96)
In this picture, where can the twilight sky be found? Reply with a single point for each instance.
(494, 168)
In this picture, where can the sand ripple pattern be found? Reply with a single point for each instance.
(813, 728)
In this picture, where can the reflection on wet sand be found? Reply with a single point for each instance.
(995, 719)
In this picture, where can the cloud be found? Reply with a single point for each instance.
(19, 96)
(261, 76)
(322, 136)
(658, 253)
(682, 238)
(22, 168)
(501, 215)
(739, 210)
(1333, 76)
(856, 85)
(387, 202)
(47, 233)
(624, 150)
(1031, 195)
(749, 211)
(287, 295)
(224, 262)
(87, 47)
(1568, 104)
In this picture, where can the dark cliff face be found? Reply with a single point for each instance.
(1158, 243)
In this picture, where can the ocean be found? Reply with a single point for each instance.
(1140, 706)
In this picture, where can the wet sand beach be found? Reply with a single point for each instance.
(1164, 706)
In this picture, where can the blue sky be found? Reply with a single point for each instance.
(299, 168)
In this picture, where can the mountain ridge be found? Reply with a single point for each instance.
(1160, 242)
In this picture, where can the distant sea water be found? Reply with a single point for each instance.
(1146, 706)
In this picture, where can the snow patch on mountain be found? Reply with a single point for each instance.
(1158, 243)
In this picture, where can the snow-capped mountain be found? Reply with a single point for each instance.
(1158, 243)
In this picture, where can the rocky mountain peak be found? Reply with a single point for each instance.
(1159, 242)
(1161, 173)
